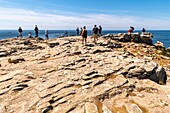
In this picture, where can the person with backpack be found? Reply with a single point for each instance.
(95, 33)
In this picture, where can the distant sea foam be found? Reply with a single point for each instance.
(162, 35)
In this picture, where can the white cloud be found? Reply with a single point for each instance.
(13, 18)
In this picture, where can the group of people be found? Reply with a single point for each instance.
(30, 34)
(131, 30)
(83, 32)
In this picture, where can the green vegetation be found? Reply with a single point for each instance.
(166, 52)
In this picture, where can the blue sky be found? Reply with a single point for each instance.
(69, 14)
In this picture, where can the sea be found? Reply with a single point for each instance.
(161, 35)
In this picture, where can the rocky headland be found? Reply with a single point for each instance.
(117, 75)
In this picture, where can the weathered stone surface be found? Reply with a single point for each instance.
(106, 109)
(133, 108)
(90, 108)
(73, 78)
(3, 53)
(16, 60)
(125, 38)
(53, 44)
(2, 108)
(136, 37)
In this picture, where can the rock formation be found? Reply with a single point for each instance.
(63, 76)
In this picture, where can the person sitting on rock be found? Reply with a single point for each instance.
(130, 31)
(143, 30)
(29, 35)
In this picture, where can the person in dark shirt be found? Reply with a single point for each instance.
(20, 31)
(100, 30)
(77, 30)
(143, 30)
(84, 35)
(95, 33)
(81, 30)
(36, 31)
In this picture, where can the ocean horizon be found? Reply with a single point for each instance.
(162, 35)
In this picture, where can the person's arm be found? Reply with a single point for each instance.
(82, 32)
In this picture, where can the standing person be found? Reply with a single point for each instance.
(95, 33)
(81, 30)
(20, 31)
(100, 30)
(77, 30)
(46, 34)
(84, 35)
(36, 31)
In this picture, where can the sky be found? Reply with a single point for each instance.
(70, 14)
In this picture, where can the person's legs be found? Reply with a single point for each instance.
(20, 34)
(95, 38)
(82, 40)
(36, 33)
(85, 40)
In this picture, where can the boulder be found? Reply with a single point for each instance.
(159, 75)
(146, 38)
(136, 37)
(125, 38)
(159, 45)
(150, 71)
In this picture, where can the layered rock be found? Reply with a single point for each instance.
(132, 37)
(63, 76)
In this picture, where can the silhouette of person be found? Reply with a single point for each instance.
(46, 34)
(100, 30)
(77, 30)
(84, 35)
(20, 31)
(95, 33)
(36, 31)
